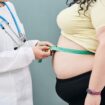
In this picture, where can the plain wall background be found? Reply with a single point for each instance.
(39, 19)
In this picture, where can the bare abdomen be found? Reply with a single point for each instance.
(68, 65)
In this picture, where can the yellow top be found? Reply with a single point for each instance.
(82, 29)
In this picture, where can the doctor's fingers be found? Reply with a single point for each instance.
(46, 54)
(45, 51)
(4, 0)
(44, 48)
(45, 43)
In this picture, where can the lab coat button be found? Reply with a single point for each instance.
(24, 40)
(15, 48)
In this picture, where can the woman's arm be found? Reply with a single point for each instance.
(97, 80)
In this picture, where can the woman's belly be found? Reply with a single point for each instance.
(67, 65)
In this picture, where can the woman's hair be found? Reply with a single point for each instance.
(81, 3)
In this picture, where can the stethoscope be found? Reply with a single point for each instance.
(20, 36)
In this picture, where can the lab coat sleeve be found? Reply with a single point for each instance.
(16, 59)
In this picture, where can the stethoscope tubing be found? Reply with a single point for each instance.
(13, 17)
(20, 36)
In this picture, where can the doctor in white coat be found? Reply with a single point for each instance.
(16, 54)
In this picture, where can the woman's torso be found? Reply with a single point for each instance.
(68, 65)
(77, 32)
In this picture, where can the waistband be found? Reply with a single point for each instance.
(74, 78)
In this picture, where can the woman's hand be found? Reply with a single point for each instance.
(92, 99)
(42, 50)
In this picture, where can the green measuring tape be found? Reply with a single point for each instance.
(68, 50)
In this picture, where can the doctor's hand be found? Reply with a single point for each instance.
(42, 50)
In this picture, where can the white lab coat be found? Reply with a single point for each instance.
(15, 79)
